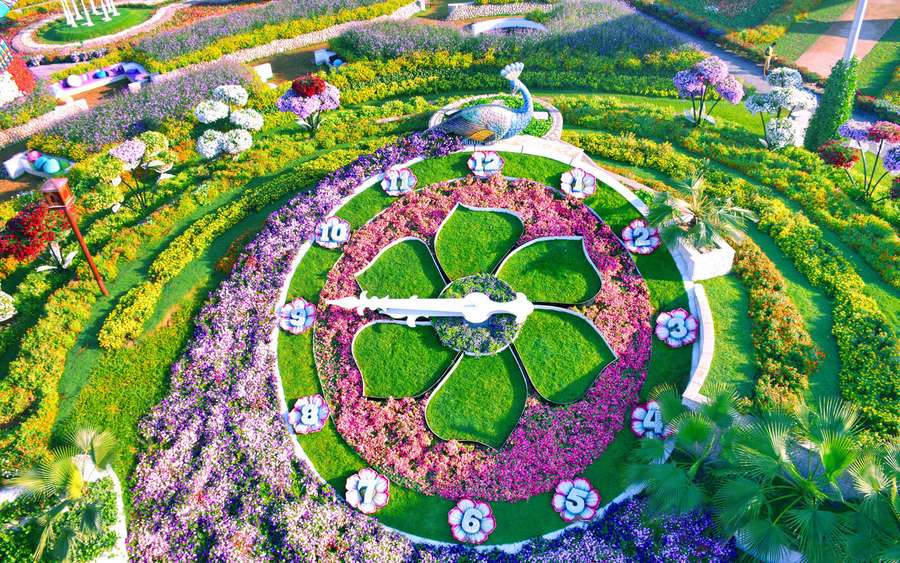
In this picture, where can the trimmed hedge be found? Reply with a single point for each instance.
(836, 105)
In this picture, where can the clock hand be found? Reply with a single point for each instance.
(475, 308)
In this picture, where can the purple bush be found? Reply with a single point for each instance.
(699, 82)
(129, 114)
(171, 44)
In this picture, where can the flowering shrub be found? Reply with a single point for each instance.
(26, 234)
(236, 141)
(782, 104)
(146, 157)
(213, 143)
(878, 138)
(248, 119)
(7, 306)
(547, 444)
(296, 316)
(308, 108)
(701, 81)
(576, 500)
(231, 95)
(308, 85)
(471, 522)
(309, 414)
(209, 143)
(210, 111)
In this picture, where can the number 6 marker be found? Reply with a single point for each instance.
(471, 522)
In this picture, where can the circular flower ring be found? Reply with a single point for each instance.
(485, 164)
(309, 414)
(332, 232)
(576, 500)
(640, 238)
(471, 522)
(677, 328)
(398, 181)
(367, 490)
(578, 183)
(647, 421)
(296, 316)
(527, 456)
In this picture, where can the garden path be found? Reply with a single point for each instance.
(829, 47)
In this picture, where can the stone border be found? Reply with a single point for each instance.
(42, 122)
(27, 42)
(469, 11)
(556, 119)
(523, 144)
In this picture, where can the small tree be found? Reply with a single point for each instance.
(835, 106)
(698, 219)
(146, 157)
(308, 97)
(706, 84)
(881, 139)
(780, 105)
(63, 479)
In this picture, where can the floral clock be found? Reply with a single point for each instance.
(640, 238)
(578, 183)
(309, 414)
(576, 500)
(485, 164)
(397, 182)
(367, 491)
(647, 421)
(296, 316)
(677, 328)
(332, 232)
(471, 522)
(405, 424)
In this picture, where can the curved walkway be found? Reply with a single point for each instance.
(26, 43)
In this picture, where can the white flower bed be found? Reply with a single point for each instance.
(472, 11)
(249, 119)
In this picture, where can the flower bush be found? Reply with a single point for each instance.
(700, 83)
(491, 336)
(782, 104)
(248, 119)
(393, 437)
(210, 111)
(7, 306)
(231, 95)
(212, 143)
(881, 138)
(307, 98)
(27, 234)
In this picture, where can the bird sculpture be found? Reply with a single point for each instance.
(488, 123)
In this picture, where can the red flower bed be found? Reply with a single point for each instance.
(308, 85)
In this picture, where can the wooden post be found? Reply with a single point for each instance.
(57, 195)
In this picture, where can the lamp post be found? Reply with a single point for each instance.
(858, 20)
(57, 195)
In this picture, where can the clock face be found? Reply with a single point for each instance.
(496, 410)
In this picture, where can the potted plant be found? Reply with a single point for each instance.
(698, 225)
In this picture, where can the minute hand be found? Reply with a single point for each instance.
(475, 308)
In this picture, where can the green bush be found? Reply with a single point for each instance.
(835, 106)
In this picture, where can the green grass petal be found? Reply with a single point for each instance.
(552, 271)
(403, 270)
(474, 241)
(481, 400)
(398, 361)
(562, 353)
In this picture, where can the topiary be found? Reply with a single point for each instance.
(835, 106)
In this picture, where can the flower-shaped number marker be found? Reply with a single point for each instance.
(640, 238)
(647, 421)
(398, 182)
(489, 318)
(296, 316)
(677, 328)
(332, 232)
(309, 414)
(576, 500)
(485, 163)
(367, 490)
(471, 522)
(578, 183)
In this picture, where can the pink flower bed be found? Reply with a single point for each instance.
(550, 443)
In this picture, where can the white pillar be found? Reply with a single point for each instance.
(87, 15)
(70, 19)
(77, 13)
(854, 30)
(112, 8)
(104, 10)
(94, 9)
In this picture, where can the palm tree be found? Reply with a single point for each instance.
(699, 218)
(62, 479)
(676, 486)
(790, 482)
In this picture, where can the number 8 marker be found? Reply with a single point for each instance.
(576, 500)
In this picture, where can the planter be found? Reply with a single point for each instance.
(708, 264)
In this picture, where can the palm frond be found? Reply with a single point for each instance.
(721, 407)
(669, 400)
(100, 445)
(869, 478)
(738, 501)
(837, 454)
(765, 540)
(694, 432)
(816, 531)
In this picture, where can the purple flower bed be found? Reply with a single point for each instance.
(129, 114)
(171, 44)
(603, 28)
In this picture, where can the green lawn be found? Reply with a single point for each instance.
(398, 361)
(60, 32)
(747, 13)
(423, 515)
(733, 363)
(562, 354)
(403, 270)
(552, 271)
(474, 241)
(480, 401)
(877, 68)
